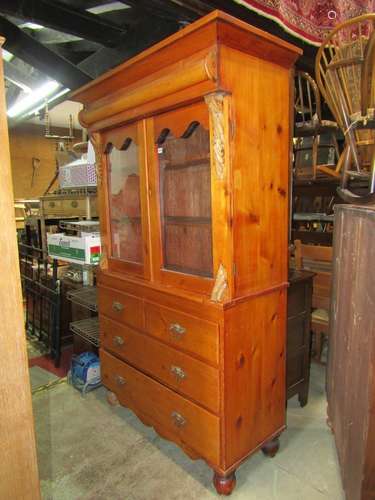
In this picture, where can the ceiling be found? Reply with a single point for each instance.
(72, 42)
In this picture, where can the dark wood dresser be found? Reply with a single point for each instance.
(299, 335)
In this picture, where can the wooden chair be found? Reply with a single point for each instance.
(318, 259)
(345, 74)
(308, 118)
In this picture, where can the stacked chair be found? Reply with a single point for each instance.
(345, 74)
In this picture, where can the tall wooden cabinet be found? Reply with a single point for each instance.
(192, 142)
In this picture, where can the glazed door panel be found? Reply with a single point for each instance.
(181, 187)
(126, 199)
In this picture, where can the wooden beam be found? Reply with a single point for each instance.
(62, 17)
(18, 469)
(40, 57)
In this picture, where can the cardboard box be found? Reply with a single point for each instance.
(83, 249)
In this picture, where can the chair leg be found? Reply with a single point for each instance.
(315, 154)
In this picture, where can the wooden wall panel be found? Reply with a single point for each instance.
(18, 469)
(27, 141)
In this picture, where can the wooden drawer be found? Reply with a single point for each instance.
(121, 307)
(52, 207)
(171, 414)
(185, 332)
(189, 376)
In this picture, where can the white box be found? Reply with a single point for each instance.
(83, 249)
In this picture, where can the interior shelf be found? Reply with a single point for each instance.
(179, 219)
(204, 162)
(85, 297)
(88, 329)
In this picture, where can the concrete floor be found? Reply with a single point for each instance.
(90, 451)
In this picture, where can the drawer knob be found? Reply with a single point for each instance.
(74, 204)
(120, 380)
(178, 419)
(117, 306)
(178, 372)
(177, 329)
(51, 204)
(118, 341)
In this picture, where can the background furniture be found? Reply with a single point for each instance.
(351, 372)
(193, 280)
(317, 258)
(345, 72)
(299, 335)
(308, 123)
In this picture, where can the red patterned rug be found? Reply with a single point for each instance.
(309, 19)
(47, 363)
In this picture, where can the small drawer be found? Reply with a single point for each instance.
(75, 206)
(183, 331)
(296, 299)
(172, 415)
(189, 376)
(121, 307)
(52, 207)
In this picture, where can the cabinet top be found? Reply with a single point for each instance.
(217, 28)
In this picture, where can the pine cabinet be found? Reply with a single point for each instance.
(192, 143)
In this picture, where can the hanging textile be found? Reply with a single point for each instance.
(309, 19)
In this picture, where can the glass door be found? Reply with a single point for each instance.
(125, 188)
(183, 171)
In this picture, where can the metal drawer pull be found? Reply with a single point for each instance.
(117, 340)
(177, 329)
(178, 419)
(120, 380)
(74, 204)
(117, 306)
(178, 372)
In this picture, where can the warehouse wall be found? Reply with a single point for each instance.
(27, 141)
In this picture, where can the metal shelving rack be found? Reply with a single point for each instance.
(85, 297)
(87, 329)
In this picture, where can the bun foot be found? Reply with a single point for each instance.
(224, 484)
(112, 399)
(271, 448)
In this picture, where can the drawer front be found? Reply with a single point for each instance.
(52, 207)
(183, 331)
(174, 416)
(189, 376)
(296, 299)
(121, 307)
(75, 206)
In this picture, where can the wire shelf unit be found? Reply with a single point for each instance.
(85, 297)
(88, 329)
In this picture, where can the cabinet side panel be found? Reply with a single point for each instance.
(254, 368)
(260, 165)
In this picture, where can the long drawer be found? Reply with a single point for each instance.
(183, 331)
(174, 416)
(121, 307)
(189, 376)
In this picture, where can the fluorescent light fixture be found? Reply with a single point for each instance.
(31, 26)
(7, 56)
(33, 98)
(34, 111)
(108, 7)
(21, 85)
